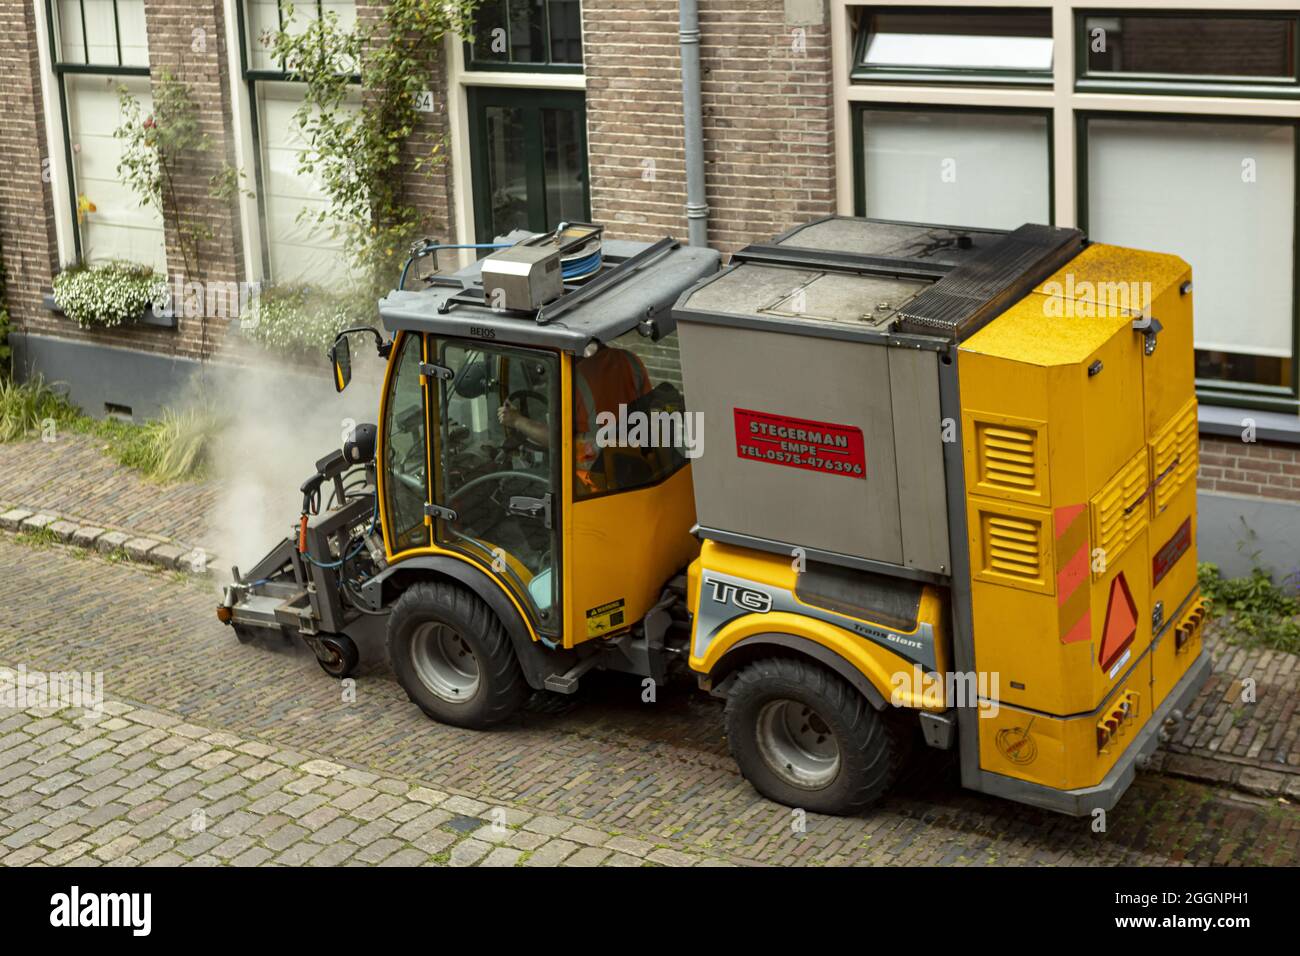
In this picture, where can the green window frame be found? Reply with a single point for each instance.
(861, 72)
(503, 9)
(1089, 81)
(252, 77)
(63, 68)
(530, 103)
(1222, 392)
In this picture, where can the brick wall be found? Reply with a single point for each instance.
(430, 189)
(26, 207)
(1249, 468)
(767, 119)
(187, 39)
(199, 59)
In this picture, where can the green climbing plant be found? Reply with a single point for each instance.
(160, 149)
(360, 151)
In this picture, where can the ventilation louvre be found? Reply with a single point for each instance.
(1007, 458)
(1175, 455)
(1012, 548)
(1119, 511)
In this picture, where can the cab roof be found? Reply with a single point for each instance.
(639, 281)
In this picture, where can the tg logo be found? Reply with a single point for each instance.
(747, 599)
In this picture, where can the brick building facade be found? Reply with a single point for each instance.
(811, 107)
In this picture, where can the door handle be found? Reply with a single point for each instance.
(1149, 327)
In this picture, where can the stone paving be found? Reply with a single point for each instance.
(127, 786)
(72, 478)
(87, 500)
(214, 752)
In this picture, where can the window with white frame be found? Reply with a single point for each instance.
(100, 48)
(295, 247)
(960, 114)
(971, 45)
(953, 167)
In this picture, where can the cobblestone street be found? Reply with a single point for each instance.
(209, 751)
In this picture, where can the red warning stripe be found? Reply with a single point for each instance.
(1072, 573)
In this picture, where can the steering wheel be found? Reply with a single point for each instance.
(514, 437)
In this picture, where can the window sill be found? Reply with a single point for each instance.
(150, 317)
(1226, 421)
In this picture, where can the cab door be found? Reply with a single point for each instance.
(403, 449)
(496, 492)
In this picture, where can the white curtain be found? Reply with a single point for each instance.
(300, 249)
(960, 169)
(1222, 196)
(119, 227)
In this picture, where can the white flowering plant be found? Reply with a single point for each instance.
(300, 321)
(108, 295)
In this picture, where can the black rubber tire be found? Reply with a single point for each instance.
(872, 744)
(501, 691)
(346, 656)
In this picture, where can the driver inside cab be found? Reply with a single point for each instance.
(602, 383)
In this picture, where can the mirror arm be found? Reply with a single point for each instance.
(382, 347)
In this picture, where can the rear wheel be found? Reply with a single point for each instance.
(453, 657)
(804, 737)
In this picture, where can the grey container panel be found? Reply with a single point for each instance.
(822, 380)
(754, 292)
(902, 240)
(751, 288)
(922, 505)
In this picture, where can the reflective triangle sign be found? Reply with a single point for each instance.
(1121, 623)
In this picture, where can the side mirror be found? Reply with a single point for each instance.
(341, 359)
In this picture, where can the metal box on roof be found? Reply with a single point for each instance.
(815, 362)
(523, 277)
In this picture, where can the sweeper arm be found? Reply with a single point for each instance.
(301, 588)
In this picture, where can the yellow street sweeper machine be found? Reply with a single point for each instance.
(875, 484)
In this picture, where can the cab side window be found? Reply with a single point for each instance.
(631, 428)
(405, 453)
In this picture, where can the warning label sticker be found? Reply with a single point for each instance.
(605, 618)
(800, 443)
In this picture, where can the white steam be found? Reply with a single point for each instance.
(281, 420)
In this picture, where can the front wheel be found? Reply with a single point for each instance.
(453, 657)
(805, 738)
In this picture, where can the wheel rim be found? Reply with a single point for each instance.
(445, 664)
(797, 744)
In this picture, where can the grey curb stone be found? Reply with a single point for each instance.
(64, 529)
(86, 537)
(163, 553)
(169, 556)
(11, 520)
(110, 541)
(37, 522)
(138, 548)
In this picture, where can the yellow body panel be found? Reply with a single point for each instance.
(1075, 480)
(623, 548)
(1056, 752)
(885, 669)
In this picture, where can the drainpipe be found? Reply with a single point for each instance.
(697, 210)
